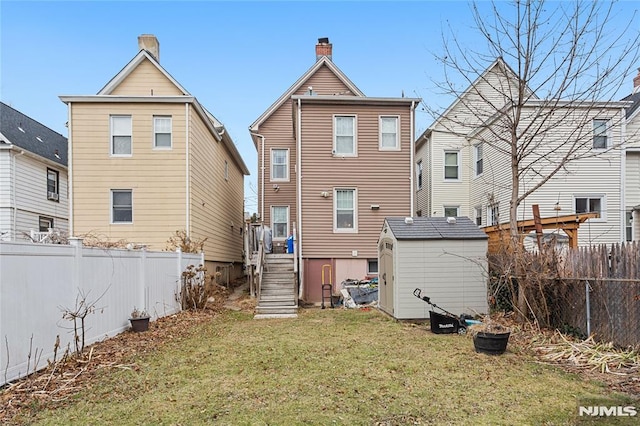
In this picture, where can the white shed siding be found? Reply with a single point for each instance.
(447, 271)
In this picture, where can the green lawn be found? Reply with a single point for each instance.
(327, 367)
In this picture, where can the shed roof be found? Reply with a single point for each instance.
(435, 228)
(23, 131)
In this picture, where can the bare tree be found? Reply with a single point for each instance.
(557, 67)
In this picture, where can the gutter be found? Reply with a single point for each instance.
(188, 164)
(623, 177)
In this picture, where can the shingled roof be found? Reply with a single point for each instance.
(435, 228)
(635, 98)
(24, 132)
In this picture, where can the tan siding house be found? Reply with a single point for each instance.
(146, 160)
(333, 163)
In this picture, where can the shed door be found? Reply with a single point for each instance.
(386, 284)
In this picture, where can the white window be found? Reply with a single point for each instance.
(451, 165)
(451, 211)
(53, 185)
(419, 175)
(45, 223)
(600, 134)
(280, 222)
(389, 133)
(493, 214)
(280, 165)
(345, 213)
(478, 215)
(162, 132)
(590, 204)
(372, 266)
(121, 135)
(628, 225)
(479, 167)
(121, 206)
(344, 135)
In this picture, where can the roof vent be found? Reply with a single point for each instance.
(408, 220)
(451, 220)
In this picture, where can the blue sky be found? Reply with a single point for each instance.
(236, 57)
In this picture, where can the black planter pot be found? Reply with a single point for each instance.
(491, 343)
(139, 324)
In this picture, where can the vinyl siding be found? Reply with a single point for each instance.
(278, 131)
(422, 195)
(6, 179)
(156, 177)
(216, 204)
(632, 183)
(380, 177)
(146, 80)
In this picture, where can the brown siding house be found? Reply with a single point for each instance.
(333, 163)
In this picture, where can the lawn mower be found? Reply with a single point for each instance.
(445, 322)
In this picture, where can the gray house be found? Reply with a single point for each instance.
(446, 258)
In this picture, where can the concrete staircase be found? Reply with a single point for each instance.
(278, 292)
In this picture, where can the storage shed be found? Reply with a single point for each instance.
(445, 258)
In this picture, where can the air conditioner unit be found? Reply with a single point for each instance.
(52, 196)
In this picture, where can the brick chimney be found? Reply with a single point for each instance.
(323, 48)
(150, 43)
(636, 82)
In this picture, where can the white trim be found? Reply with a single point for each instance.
(286, 165)
(477, 146)
(353, 230)
(607, 135)
(273, 228)
(111, 135)
(449, 206)
(419, 175)
(397, 146)
(70, 192)
(603, 205)
(355, 136)
(187, 192)
(477, 209)
(111, 193)
(444, 165)
(154, 142)
(298, 170)
(412, 194)
(490, 216)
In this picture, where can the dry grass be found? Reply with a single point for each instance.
(326, 367)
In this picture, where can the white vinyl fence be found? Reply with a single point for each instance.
(39, 282)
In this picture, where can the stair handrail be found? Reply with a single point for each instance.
(260, 262)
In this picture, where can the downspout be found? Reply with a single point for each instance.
(70, 191)
(412, 155)
(188, 176)
(261, 175)
(623, 177)
(299, 198)
(15, 206)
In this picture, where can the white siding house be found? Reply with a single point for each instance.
(33, 177)
(470, 165)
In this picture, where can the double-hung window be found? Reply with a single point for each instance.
(162, 132)
(53, 185)
(479, 166)
(280, 222)
(600, 134)
(345, 213)
(493, 214)
(279, 165)
(628, 225)
(451, 165)
(121, 206)
(389, 133)
(121, 135)
(419, 175)
(344, 135)
(478, 215)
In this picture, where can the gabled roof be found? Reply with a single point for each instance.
(323, 61)
(435, 228)
(124, 73)
(499, 62)
(632, 110)
(26, 133)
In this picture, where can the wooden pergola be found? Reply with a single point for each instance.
(499, 234)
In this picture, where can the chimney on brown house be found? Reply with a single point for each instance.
(150, 43)
(323, 48)
(636, 82)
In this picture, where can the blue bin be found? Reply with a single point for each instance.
(290, 244)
